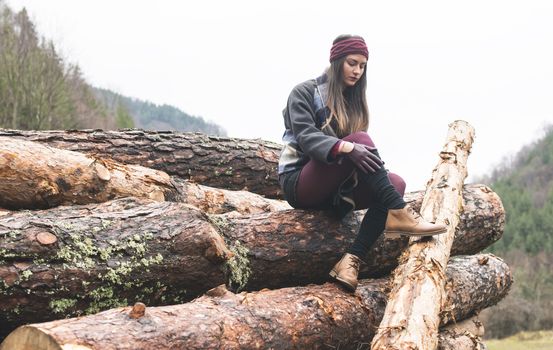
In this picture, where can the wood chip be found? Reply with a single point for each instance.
(102, 172)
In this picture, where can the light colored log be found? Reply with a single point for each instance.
(412, 314)
(35, 176)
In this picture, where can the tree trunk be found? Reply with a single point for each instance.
(231, 163)
(34, 176)
(46, 177)
(82, 259)
(312, 317)
(411, 319)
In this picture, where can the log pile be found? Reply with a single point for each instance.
(83, 232)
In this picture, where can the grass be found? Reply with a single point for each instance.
(540, 340)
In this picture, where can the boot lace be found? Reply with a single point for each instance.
(354, 263)
(415, 213)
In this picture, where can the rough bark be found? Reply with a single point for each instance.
(312, 317)
(230, 163)
(411, 319)
(464, 335)
(70, 260)
(46, 177)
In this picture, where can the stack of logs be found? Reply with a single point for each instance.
(103, 220)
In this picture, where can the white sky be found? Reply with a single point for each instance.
(235, 62)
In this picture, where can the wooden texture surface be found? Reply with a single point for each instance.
(311, 317)
(411, 319)
(72, 260)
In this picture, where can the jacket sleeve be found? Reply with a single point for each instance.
(316, 144)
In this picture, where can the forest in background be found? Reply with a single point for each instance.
(524, 182)
(40, 90)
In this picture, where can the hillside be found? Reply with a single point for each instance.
(525, 185)
(40, 90)
(149, 116)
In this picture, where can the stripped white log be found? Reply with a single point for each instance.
(412, 314)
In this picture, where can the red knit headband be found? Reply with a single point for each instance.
(348, 47)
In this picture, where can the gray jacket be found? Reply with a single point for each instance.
(304, 137)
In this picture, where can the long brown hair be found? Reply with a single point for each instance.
(348, 107)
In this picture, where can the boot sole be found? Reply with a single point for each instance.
(398, 234)
(347, 285)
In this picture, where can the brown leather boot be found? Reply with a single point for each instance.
(409, 223)
(346, 271)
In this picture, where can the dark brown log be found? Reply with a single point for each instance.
(131, 250)
(312, 317)
(231, 163)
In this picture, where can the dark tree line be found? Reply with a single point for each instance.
(38, 88)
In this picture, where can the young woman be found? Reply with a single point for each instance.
(330, 162)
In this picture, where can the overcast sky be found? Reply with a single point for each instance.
(234, 62)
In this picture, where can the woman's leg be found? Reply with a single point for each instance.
(376, 186)
(318, 182)
(374, 220)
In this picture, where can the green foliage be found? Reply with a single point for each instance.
(526, 190)
(525, 185)
(39, 90)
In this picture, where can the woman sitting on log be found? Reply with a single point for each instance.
(329, 161)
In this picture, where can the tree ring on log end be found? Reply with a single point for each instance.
(46, 238)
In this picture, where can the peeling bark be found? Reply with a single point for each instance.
(218, 201)
(97, 256)
(36, 176)
(412, 316)
(46, 177)
(223, 162)
(312, 317)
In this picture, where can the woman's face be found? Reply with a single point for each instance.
(353, 68)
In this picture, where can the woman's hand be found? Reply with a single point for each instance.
(364, 159)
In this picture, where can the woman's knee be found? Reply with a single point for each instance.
(398, 183)
(360, 137)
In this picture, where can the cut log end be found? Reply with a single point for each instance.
(46, 238)
(26, 337)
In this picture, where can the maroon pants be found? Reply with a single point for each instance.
(318, 182)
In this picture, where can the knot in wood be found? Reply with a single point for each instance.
(138, 310)
(46, 238)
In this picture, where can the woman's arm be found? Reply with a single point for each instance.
(301, 117)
